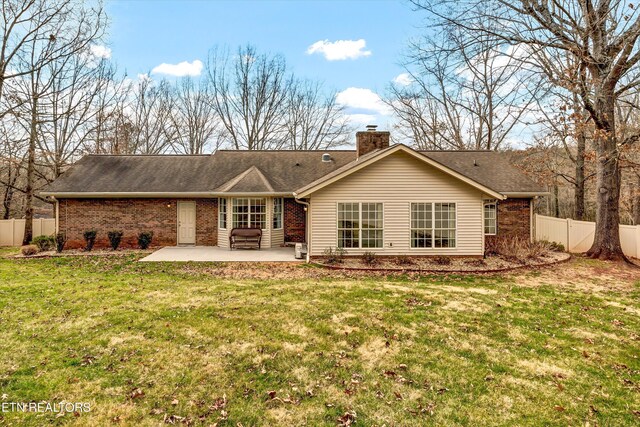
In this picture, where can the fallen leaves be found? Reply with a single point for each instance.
(136, 393)
(347, 419)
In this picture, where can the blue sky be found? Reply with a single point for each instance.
(145, 34)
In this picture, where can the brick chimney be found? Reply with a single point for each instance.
(371, 140)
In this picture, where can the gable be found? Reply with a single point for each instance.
(371, 159)
(402, 176)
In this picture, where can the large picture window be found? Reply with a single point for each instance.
(277, 213)
(249, 213)
(433, 225)
(222, 213)
(490, 217)
(360, 225)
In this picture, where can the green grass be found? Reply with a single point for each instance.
(147, 344)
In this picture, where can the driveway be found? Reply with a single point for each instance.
(214, 253)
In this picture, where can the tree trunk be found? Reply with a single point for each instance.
(636, 202)
(556, 204)
(31, 160)
(579, 186)
(606, 244)
(7, 200)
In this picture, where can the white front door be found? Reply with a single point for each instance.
(186, 223)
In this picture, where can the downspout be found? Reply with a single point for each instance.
(307, 236)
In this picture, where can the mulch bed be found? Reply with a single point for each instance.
(491, 264)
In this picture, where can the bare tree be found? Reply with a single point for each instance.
(193, 118)
(249, 93)
(150, 116)
(602, 37)
(69, 114)
(59, 31)
(461, 97)
(312, 119)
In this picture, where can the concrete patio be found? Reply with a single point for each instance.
(217, 254)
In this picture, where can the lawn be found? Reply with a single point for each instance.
(242, 345)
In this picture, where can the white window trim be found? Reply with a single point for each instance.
(360, 202)
(433, 225)
(273, 216)
(484, 218)
(226, 213)
(249, 222)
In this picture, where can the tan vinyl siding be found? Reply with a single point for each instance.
(396, 181)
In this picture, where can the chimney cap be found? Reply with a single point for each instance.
(372, 128)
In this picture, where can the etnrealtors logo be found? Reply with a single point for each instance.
(55, 407)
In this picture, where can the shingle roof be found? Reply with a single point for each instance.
(490, 168)
(280, 172)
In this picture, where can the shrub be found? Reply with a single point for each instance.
(29, 250)
(554, 246)
(144, 239)
(517, 249)
(115, 237)
(442, 260)
(403, 260)
(90, 239)
(369, 258)
(61, 240)
(44, 243)
(332, 256)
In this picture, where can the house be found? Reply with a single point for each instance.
(387, 199)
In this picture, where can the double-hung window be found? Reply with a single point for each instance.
(249, 213)
(490, 217)
(360, 225)
(222, 213)
(433, 225)
(277, 213)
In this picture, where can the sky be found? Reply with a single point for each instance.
(354, 47)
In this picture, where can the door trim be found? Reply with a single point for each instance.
(195, 222)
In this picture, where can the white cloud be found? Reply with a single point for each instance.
(362, 99)
(181, 69)
(100, 51)
(340, 49)
(403, 79)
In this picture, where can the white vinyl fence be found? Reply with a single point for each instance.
(577, 236)
(12, 230)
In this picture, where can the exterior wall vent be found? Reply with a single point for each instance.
(326, 157)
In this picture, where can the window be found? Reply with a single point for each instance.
(277, 213)
(249, 213)
(222, 213)
(433, 225)
(490, 217)
(444, 225)
(421, 225)
(360, 225)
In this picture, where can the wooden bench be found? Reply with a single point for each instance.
(245, 238)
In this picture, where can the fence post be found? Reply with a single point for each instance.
(638, 241)
(13, 231)
(569, 235)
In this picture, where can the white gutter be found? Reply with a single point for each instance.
(150, 194)
(516, 194)
(307, 206)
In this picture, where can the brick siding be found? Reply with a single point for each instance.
(133, 216)
(514, 219)
(295, 219)
(207, 222)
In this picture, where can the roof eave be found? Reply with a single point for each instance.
(525, 194)
(153, 194)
